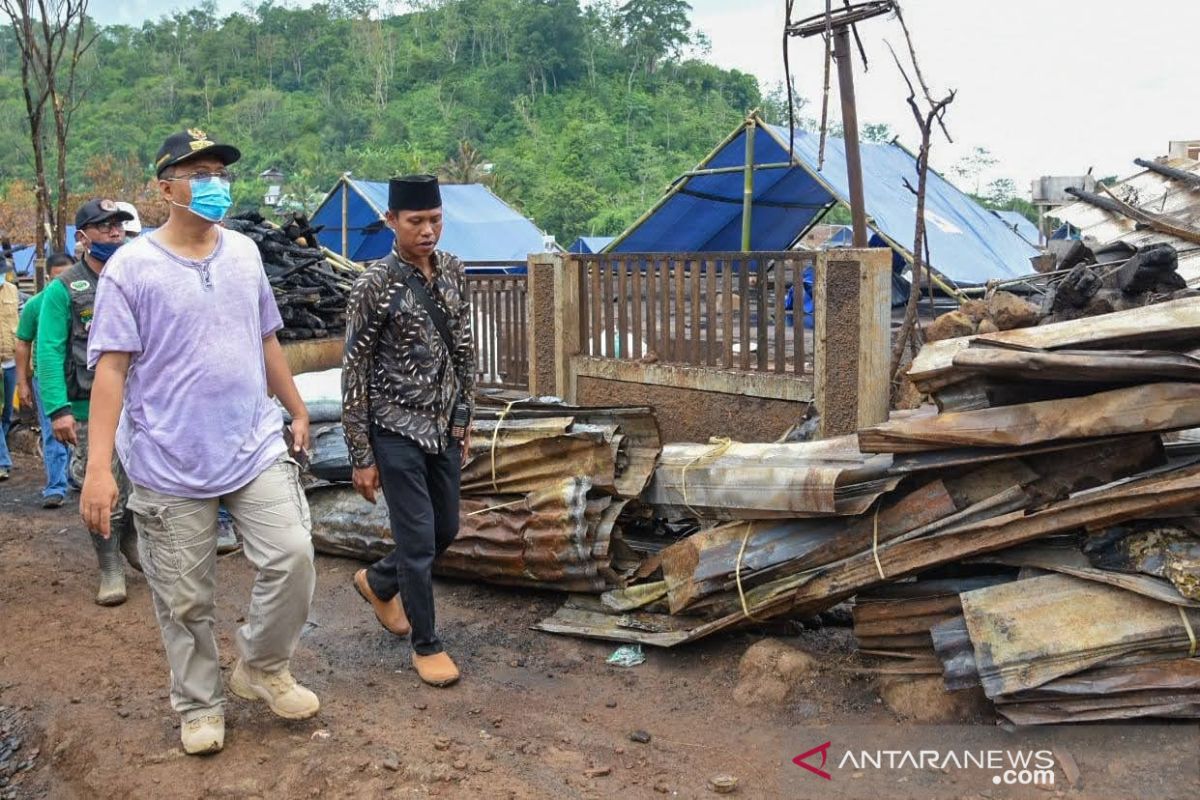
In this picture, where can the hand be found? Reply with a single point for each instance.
(98, 500)
(25, 392)
(301, 441)
(366, 481)
(466, 448)
(64, 430)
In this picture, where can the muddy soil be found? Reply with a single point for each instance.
(83, 693)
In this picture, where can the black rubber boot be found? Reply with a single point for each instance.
(112, 573)
(129, 537)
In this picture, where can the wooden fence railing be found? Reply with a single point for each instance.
(501, 333)
(704, 309)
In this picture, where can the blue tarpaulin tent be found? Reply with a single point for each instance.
(23, 258)
(1019, 224)
(703, 210)
(479, 226)
(590, 244)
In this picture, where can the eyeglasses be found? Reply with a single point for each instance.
(224, 175)
(107, 227)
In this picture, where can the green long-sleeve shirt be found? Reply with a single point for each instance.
(53, 350)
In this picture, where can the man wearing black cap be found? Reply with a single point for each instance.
(64, 325)
(186, 359)
(408, 380)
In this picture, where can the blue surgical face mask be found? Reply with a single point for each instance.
(210, 198)
(100, 251)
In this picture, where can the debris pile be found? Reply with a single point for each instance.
(1086, 283)
(542, 490)
(311, 284)
(1032, 536)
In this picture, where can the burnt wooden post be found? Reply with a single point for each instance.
(852, 329)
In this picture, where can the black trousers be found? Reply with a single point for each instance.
(421, 491)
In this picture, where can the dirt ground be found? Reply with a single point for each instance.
(84, 710)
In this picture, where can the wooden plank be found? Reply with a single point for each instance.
(1136, 409)
(1084, 366)
(727, 311)
(697, 346)
(666, 351)
(764, 318)
(623, 335)
(652, 307)
(781, 276)
(711, 311)
(744, 303)
(637, 305)
(594, 346)
(798, 347)
(680, 348)
(606, 267)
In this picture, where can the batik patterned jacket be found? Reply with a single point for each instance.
(397, 372)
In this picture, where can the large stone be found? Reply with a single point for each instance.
(1009, 311)
(977, 310)
(950, 325)
(924, 698)
(770, 672)
(987, 326)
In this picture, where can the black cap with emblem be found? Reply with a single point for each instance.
(414, 193)
(97, 210)
(187, 144)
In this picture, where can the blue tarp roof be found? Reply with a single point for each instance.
(967, 243)
(24, 258)
(479, 226)
(1018, 223)
(591, 244)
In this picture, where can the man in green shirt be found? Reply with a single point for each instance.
(55, 454)
(66, 382)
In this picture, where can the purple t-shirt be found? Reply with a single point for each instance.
(197, 421)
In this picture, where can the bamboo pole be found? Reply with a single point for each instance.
(748, 184)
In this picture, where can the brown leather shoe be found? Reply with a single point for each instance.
(390, 613)
(436, 670)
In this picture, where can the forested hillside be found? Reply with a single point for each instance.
(584, 114)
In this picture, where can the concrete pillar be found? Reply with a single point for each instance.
(553, 313)
(853, 313)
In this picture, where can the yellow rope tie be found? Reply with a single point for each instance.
(721, 445)
(496, 436)
(737, 573)
(1187, 626)
(875, 546)
(496, 507)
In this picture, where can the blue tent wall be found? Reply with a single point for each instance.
(1018, 223)
(479, 226)
(967, 243)
(590, 244)
(24, 258)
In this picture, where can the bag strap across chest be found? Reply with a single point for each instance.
(417, 286)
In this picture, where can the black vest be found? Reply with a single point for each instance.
(81, 286)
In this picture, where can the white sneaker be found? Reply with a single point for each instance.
(201, 735)
(282, 694)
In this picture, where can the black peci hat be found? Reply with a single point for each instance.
(414, 193)
(191, 143)
(97, 210)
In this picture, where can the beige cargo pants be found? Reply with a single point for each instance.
(178, 547)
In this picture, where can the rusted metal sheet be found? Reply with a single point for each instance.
(705, 562)
(532, 465)
(1136, 409)
(764, 481)
(1033, 631)
(555, 538)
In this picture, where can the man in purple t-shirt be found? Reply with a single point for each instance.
(184, 348)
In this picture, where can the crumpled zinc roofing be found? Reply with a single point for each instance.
(479, 226)
(967, 243)
(1155, 194)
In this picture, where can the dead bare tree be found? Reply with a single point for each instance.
(932, 112)
(52, 36)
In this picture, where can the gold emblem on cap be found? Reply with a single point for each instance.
(107, 205)
(196, 133)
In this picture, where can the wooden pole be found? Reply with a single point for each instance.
(858, 212)
(345, 217)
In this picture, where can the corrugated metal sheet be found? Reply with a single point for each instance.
(1155, 194)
